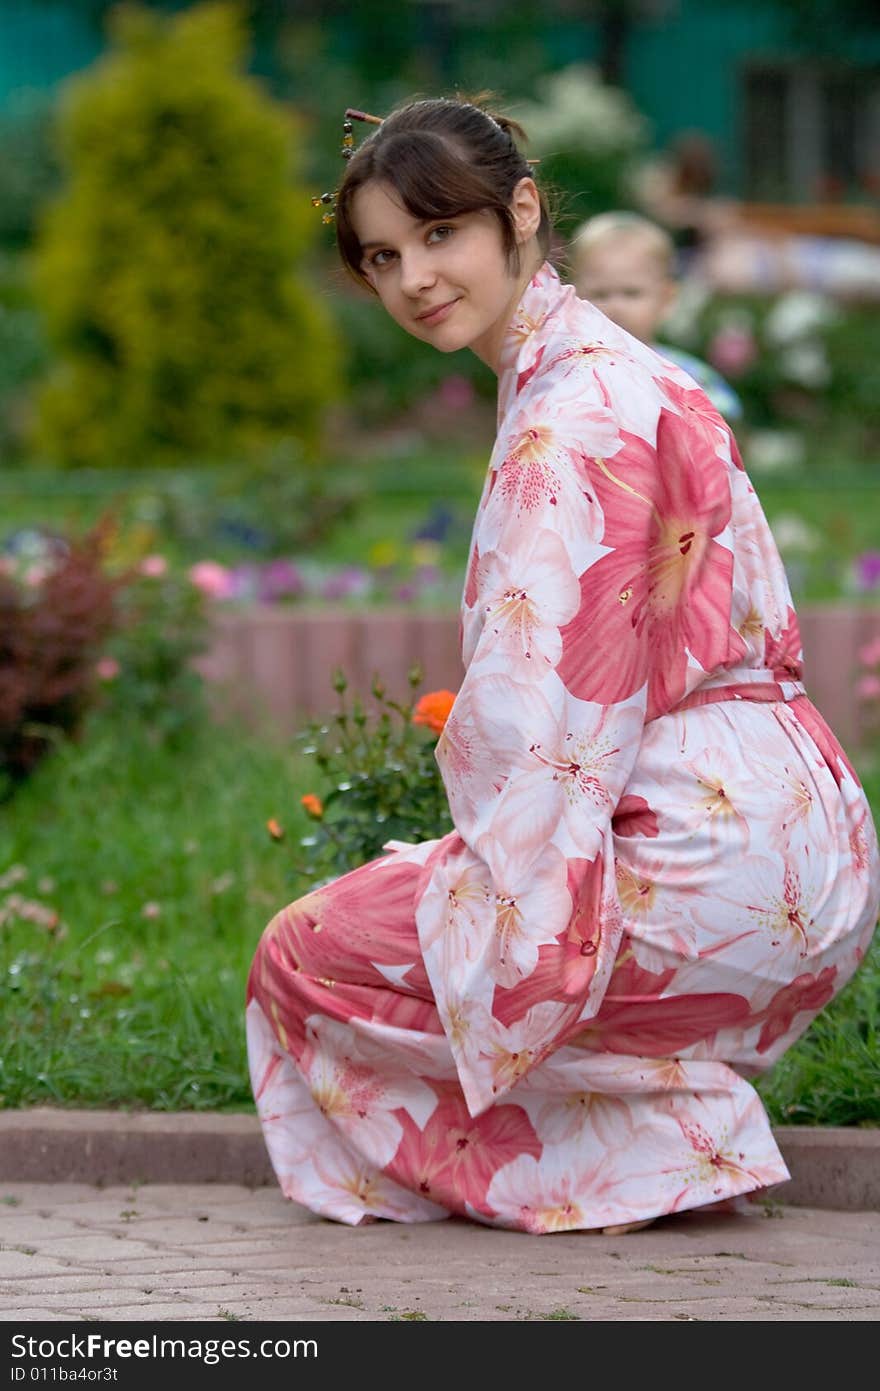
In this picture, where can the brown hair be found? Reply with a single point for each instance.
(444, 157)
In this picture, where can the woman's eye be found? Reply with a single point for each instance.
(440, 233)
(381, 258)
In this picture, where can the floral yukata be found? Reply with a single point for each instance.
(663, 864)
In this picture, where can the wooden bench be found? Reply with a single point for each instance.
(857, 221)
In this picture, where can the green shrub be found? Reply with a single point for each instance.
(797, 359)
(389, 372)
(378, 780)
(275, 504)
(162, 625)
(57, 608)
(588, 136)
(166, 270)
(853, 345)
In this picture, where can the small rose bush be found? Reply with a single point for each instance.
(377, 779)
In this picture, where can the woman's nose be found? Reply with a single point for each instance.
(416, 273)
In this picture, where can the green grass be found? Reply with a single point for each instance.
(164, 875)
(844, 516)
(122, 1007)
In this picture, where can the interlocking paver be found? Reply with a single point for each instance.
(14, 1263)
(163, 1264)
(23, 1314)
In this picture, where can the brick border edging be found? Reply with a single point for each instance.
(832, 1167)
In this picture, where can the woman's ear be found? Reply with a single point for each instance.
(525, 205)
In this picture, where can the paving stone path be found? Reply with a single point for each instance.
(221, 1252)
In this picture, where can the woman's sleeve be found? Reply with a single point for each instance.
(570, 641)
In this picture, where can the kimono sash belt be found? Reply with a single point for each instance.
(748, 684)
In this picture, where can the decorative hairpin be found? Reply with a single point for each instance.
(347, 150)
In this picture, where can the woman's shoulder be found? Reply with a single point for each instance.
(580, 334)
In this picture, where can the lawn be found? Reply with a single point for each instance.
(135, 884)
(162, 873)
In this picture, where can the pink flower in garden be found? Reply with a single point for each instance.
(346, 583)
(35, 574)
(868, 570)
(456, 392)
(868, 687)
(243, 582)
(428, 574)
(280, 579)
(107, 668)
(153, 567)
(869, 655)
(151, 910)
(733, 350)
(211, 578)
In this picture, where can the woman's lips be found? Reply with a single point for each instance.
(437, 316)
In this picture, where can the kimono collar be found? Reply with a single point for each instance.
(542, 299)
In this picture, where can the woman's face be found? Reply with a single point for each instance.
(445, 281)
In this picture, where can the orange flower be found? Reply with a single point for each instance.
(313, 805)
(433, 710)
(275, 829)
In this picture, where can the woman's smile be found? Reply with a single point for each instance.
(437, 315)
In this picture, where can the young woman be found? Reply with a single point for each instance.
(663, 865)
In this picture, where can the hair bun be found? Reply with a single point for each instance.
(510, 127)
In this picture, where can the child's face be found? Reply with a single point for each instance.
(627, 282)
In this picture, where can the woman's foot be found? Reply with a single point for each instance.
(625, 1227)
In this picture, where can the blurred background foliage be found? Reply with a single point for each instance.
(171, 303)
(166, 272)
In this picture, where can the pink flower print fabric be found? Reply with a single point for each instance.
(662, 866)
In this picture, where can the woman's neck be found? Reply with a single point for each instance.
(488, 347)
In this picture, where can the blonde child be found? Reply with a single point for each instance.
(624, 265)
